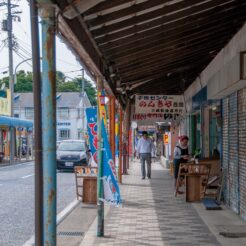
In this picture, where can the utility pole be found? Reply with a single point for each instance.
(83, 103)
(8, 26)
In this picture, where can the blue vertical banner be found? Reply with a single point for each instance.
(91, 114)
(110, 183)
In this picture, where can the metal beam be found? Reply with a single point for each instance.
(48, 24)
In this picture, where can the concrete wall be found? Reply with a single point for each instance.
(222, 75)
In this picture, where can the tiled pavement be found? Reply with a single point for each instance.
(151, 215)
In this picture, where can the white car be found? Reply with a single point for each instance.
(72, 153)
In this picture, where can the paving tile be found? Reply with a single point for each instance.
(152, 216)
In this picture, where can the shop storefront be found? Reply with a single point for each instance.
(23, 133)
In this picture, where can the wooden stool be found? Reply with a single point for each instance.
(90, 190)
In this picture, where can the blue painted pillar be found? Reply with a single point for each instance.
(49, 124)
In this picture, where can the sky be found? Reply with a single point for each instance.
(66, 62)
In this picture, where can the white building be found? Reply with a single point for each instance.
(68, 114)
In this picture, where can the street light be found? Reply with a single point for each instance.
(15, 75)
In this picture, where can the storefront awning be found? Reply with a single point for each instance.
(14, 122)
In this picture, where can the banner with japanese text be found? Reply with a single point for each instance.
(110, 183)
(91, 114)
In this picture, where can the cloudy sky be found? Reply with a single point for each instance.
(66, 62)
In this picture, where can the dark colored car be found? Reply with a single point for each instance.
(72, 153)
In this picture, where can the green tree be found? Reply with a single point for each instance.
(23, 79)
(25, 84)
(75, 85)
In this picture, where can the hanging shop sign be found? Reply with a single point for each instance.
(147, 118)
(150, 128)
(155, 104)
(5, 103)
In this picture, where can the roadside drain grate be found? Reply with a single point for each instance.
(70, 233)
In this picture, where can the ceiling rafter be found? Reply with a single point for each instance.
(131, 10)
(196, 18)
(105, 6)
(179, 10)
(180, 33)
(174, 43)
(221, 20)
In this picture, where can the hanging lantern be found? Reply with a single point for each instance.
(102, 100)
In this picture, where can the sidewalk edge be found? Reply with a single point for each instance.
(91, 232)
(60, 217)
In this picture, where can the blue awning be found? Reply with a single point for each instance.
(15, 122)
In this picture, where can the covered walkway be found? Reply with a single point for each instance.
(179, 63)
(151, 215)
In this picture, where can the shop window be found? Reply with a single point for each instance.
(63, 113)
(64, 134)
(29, 113)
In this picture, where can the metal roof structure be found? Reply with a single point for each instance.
(148, 46)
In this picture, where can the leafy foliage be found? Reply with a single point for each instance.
(25, 84)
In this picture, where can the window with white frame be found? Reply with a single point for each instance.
(64, 134)
(63, 113)
(29, 112)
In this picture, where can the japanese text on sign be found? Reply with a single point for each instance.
(159, 104)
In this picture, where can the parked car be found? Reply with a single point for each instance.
(72, 153)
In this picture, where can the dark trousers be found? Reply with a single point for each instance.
(145, 157)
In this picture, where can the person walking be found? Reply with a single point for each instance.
(144, 148)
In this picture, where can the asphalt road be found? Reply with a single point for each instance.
(17, 201)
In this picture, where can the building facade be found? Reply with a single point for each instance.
(69, 112)
(216, 118)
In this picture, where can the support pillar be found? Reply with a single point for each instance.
(112, 125)
(120, 146)
(100, 204)
(126, 128)
(49, 123)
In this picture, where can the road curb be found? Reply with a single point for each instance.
(60, 217)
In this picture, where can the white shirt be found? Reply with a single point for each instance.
(144, 146)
